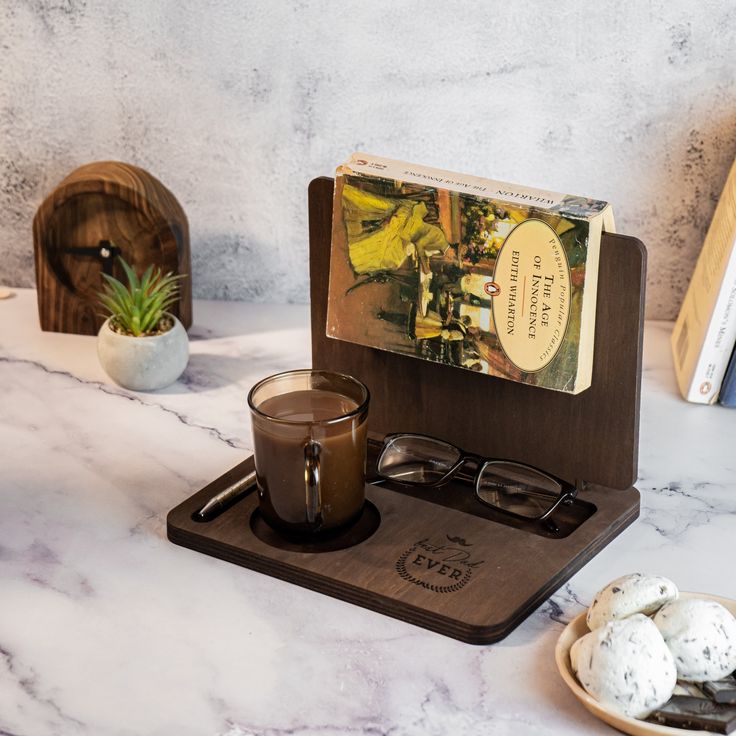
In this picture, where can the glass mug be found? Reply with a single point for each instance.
(310, 444)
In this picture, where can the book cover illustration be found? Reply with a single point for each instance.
(449, 274)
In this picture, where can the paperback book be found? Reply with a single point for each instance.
(473, 273)
(705, 330)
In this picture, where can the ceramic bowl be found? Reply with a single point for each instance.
(577, 628)
(143, 363)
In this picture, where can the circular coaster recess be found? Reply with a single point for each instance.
(360, 530)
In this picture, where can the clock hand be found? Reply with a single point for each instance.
(105, 251)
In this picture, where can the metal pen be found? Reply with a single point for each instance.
(225, 499)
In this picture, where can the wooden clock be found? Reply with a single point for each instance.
(99, 211)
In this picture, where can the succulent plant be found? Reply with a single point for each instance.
(139, 308)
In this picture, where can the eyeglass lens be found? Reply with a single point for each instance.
(415, 459)
(508, 486)
(518, 489)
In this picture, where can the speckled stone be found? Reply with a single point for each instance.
(626, 666)
(629, 594)
(701, 634)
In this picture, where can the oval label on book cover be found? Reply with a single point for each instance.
(532, 306)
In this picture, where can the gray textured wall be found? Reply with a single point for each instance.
(236, 104)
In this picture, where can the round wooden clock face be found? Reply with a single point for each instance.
(87, 232)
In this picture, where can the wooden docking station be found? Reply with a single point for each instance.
(437, 558)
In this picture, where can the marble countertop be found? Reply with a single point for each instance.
(108, 628)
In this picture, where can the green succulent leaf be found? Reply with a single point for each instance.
(139, 307)
(130, 274)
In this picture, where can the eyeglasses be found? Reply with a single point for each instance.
(510, 487)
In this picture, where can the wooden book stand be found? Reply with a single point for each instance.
(437, 558)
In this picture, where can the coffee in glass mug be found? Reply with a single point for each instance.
(310, 441)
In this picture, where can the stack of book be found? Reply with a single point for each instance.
(705, 331)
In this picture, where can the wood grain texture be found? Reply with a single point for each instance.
(476, 591)
(440, 559)
(114, 201)
(593, 436)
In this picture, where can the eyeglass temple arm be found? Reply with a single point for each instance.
(580, 486)
(568, 496)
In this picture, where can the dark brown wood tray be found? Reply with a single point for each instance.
(450, 571)
(436, 559)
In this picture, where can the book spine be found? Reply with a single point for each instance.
(712, 362)
(705, 330)
(727, 397)
(590, 297)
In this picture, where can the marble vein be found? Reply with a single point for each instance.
(106, 389)
(107, 629)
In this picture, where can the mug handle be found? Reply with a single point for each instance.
(312, 482)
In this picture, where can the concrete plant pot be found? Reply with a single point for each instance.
(143, 363)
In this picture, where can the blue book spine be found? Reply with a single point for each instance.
(727, 396)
